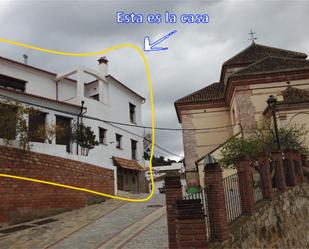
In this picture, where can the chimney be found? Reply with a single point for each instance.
(103, 65)
(25, 59)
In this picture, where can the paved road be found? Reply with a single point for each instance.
(154, 236)
(113, 224)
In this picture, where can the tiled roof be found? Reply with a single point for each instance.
(127, 164)
(212, 92)
(257, 52)
(259, 59)
(273, 64)
(293, 95)
(32, 67)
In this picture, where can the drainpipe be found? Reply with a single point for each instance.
(57, 82)
(80, 115)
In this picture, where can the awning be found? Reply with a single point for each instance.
(127, 164)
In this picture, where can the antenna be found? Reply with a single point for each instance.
(25, 59)
(253, 37)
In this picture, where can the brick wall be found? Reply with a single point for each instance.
(190, 224)
(24, 200)
(173, 192)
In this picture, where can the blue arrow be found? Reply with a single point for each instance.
(152, 46)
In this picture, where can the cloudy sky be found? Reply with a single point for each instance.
(193, 60)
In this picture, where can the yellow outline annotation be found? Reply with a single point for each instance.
(105, 51)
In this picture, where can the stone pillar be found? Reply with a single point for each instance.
(245, 179)
(298, 166)
(173, 192)
(190, 224)
(264, 168)
(279, 171)
(291, 179)
(304, 160)
(216, 202)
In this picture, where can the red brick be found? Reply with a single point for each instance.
(245, 180)
(216, 200)
(35, 196)
(264, 169)
(279, 171)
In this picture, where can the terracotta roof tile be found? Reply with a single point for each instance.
(257, 52)
(212, 92)
(260, 59)
(127, 164)
(273, 64)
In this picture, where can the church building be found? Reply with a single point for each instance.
(237, 101)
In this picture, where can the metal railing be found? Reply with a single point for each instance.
(232, 197)
(202, 196)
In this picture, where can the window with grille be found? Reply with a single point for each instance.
(133, 148)
(64, 136)
(12, 83)
(118, 141)
(132, 113)
(36, 122)
(102, 135)
(8, 122)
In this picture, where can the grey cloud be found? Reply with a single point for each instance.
(195, 55)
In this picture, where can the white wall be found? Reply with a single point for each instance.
(66, 90)
(160, 184)
(114, 106)
(38, 83)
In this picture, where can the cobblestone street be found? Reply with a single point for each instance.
(112, 224)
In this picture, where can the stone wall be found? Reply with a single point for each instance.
(24, 200)
(280, 223)
(245, 109)
(190, 144)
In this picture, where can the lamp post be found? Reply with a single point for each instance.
(272, 102)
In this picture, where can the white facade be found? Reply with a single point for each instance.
(59, 95)
(160, 171)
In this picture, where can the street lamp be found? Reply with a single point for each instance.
(272, 102)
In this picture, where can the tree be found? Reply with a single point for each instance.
(262, 139)
(147, 146)
(14, 123)
(85, 138)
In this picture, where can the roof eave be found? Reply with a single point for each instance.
(129, 89)
(33, 68)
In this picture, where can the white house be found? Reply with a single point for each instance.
(159, 172)
(94, 102)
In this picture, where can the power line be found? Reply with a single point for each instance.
(135, 125)
(112, 124)
(93, 118)
(166, 128)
